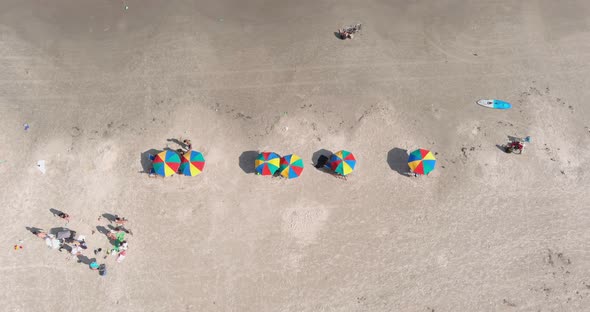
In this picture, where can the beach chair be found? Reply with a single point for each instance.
(322, 162)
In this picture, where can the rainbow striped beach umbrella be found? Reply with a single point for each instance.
(421, 161)
(342, 162)
(166, 163)
(192, 163)
(291, 166)
(267, 163)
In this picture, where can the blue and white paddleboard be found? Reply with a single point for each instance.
(497, 104)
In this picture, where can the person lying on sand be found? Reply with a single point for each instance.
(188, 145)
(64, 216)
(120, 220)
(345, 34)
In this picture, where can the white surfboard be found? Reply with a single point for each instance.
(496, 104)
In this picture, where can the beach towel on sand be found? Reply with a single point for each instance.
(121, 236)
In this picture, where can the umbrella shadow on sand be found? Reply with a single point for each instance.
(246, 161)
(397, 159)
(146, 162)
(320, 158)
(33, 229)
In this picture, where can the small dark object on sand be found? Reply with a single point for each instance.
(102, 270)
(322, 161)
(348, 31)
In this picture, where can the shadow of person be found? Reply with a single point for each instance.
(181, 144)
(109, 217)
(34, 230)
(146, 162)
(55, 212)
(103, 230)
(65, 246)
(397, 159)
(501, 147)
(338, 35)
(514, 139)
(85, 260)
(246, 161)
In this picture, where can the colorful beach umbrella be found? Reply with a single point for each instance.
(192, 163)
(291, 166)
(342, 162)
(267, 163)
(421, 161)
(166, 163)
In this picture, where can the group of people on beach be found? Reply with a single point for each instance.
(76, 245)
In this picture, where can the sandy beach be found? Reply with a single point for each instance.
(102, 83)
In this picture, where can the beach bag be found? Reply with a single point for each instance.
(102, 270)
(322, 161)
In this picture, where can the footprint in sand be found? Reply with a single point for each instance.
(304, 222)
